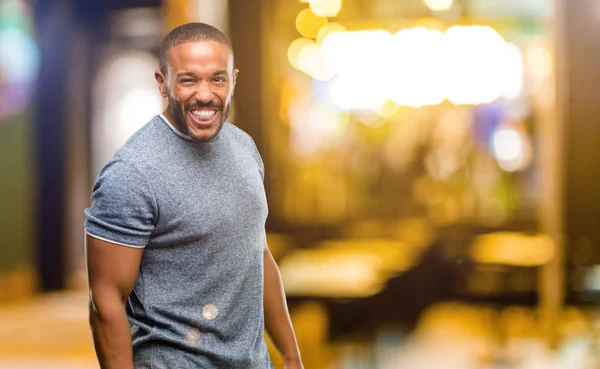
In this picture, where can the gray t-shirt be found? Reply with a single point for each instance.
(199, 209)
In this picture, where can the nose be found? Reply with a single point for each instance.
(204, 93)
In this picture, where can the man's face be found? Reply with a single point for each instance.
(199, 84)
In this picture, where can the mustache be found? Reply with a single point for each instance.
(210, 105)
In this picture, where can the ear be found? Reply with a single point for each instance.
(161, 81)
(235, 74)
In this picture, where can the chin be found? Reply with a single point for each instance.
(205, 135)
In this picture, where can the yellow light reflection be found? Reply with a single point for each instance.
(326, 8)
(439, 5)
(513, 249)
(295, 48)
(328, 29)
(309, 24)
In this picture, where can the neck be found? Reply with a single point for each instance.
(175, 123)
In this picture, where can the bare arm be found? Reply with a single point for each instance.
(112, 272)
(277, 318)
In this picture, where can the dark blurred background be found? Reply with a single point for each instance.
(431, 170)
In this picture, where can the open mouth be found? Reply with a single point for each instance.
(203, 117)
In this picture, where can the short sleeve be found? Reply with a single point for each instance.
(123, 208)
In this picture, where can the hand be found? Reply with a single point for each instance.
(293, 364)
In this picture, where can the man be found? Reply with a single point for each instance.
(179, 270)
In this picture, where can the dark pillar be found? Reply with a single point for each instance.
(582, 44)
(246, 35)
(54, 24)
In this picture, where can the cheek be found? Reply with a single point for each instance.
(171, 93)
(229, 95)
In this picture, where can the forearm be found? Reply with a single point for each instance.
(277, 318)
(112, 337)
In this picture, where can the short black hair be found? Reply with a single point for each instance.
(190, 32)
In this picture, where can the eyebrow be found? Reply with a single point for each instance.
(185, 74)
(190, 74)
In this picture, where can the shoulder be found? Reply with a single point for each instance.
(235, 132)
(141, 146)
(244, 141)
(136, 153)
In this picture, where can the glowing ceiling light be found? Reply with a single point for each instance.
(353, 53)
(350, 55)
(326, 8)
(416, 73)
(514, 72)
(328, 29)
(359, 93)
(475, 64)
(439, 5)
(418, 66)
(309, 24)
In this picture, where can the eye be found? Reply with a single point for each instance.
(187, 81)
(220, 80)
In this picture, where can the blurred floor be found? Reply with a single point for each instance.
(49, 331)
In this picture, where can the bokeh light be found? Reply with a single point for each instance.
(354, 53)
(326, 8)
(468, 65)
(387, 110)
(308, 23)
(310, 61)
(513, 72)
(439, 5)
(513, 249)
(19, 56)
(313, 128)
(475, 58)
(416, 74)
(539, 60)
(328, 29)
(510, 148)
(295, 48)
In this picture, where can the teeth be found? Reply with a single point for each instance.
(204, 114)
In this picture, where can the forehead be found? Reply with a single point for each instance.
(200, 56)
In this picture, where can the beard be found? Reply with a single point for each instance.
(179, 112)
